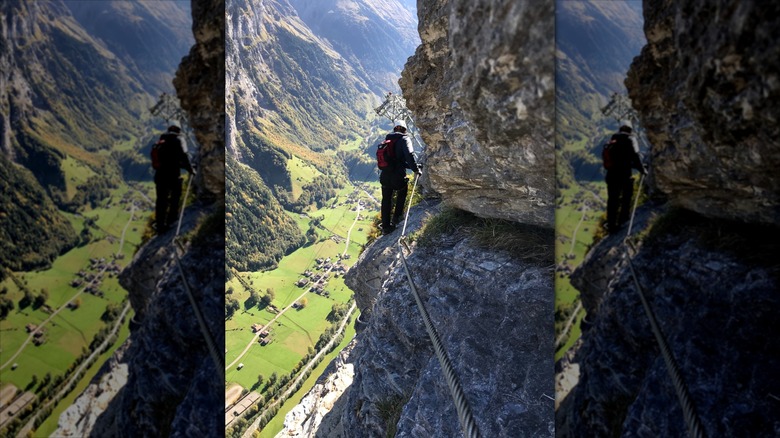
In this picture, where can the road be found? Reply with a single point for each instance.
(569, 323)
(349, 233)
(292, 386)
(577, 228)
(124, 230)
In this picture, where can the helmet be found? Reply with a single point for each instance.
(400, 123)
(174, 128)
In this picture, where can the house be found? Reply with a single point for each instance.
(241, 365)
(263, 334)
(30, 327)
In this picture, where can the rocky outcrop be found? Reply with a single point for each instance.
(706, 97)
(703, 87)
(366, 280)
(713, 306)
(200, 84)
(305, 418)
(600, 265)
(80, 417)
(492, 313)
(481, 87)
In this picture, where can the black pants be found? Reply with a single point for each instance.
(168, 195)
(393, 182)
(620, 189)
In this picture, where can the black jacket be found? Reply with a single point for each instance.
(404, 153)
(623, 157)
(171, 155)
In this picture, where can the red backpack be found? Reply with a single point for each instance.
(385, 154)
(155, 155)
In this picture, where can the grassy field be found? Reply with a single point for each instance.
(580, 212)
(70, 332)
(75, 173)
(296, 330)
(301, 173)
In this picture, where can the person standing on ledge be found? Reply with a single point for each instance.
(393, 176)
(168, 157)
(620, 155)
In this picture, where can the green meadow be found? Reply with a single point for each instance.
(578, 211)
(298, 329)
(69, 333)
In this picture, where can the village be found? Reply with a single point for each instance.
(92, 276)
(317, 282)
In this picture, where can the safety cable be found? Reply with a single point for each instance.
(467, 422)
(692, 420)
(199, 316)
(195, 307)
(633, 210)
(184, 202)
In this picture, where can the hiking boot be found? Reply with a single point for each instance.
(387, 229)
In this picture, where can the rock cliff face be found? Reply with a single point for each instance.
(493, 314)
(481, 86)
(173, 385)
(200, 84)
(713, 302)
(706, 94)
(702, 87)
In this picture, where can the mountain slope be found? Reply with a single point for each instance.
(149, 37)
(294, 94)
(375, 36)
(67, 98)
(26, 205)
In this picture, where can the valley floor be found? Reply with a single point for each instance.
(295, 332)
(52, 348)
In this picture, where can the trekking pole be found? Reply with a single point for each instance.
(184, 202)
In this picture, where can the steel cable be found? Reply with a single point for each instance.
(467, 422)
(692, 421)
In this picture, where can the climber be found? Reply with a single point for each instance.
(168, 157)
(394, 180)
(620, 155)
